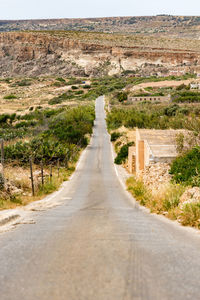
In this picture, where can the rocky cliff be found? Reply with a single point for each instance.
(40, 53)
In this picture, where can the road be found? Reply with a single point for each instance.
(98, 245)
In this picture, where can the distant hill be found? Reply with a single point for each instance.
(161, 25)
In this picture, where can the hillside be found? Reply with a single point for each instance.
(93, 54)
(162, 25)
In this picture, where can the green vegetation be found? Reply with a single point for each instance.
(65, 134)
(163, 201)
(9, 97)
(61, 79)
(147, 115)
(186, 168)
(114, 136)
(122, 96)
(24, 82)
(186, 96)
(190, 215)
(123, 154)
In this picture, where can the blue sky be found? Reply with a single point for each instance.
(32, 9)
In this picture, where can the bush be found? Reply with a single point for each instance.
(171, 110)
(73, 125)
(74, 87)
(23, 82)
(61, 98)
(182, 87)
(123, 154)
(186, 96)
(186, 167)
(65, 133)
(61, 79)
(114, 136)
(26, 124)
(2, 182)
(122, 96)
(8, 97)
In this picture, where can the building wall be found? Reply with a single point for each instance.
(147, 153)
(150, 98)
(141, 154)
(136, 150)
(131, 160)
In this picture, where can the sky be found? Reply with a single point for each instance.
(45, 9)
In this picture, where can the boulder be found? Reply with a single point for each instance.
(191, 195)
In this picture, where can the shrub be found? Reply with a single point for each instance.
(122, 96)
(73, 81)
(61, 98)
(2, 182)
(182, 87)
(186, 96)
(185, 168)
(61, 79)
(79, 93)
(24, 82)
(123, 154)
(114, 136)
(8, 97)
(171, 110)
(25, 124)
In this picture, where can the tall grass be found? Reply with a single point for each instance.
(164, 200)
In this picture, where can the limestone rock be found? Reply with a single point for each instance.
(191, 195)
(155, 175)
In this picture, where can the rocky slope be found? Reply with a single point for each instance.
(66, 53)
(162, 25)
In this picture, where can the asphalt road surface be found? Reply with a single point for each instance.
(98, 245)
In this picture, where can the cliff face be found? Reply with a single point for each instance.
(34, 54)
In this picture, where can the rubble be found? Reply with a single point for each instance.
(155, 175)
(11, 189)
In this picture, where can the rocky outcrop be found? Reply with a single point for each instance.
(191, 195)
(34, 54)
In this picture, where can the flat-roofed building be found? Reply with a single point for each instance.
(152, 146)
(135, 99)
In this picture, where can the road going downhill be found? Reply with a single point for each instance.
(97, 245)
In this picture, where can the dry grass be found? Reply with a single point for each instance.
(162, 201)
(166, 201)
(40, 91)
(124, 40)
(20, 178)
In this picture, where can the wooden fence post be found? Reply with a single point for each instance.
(42, 173)
(32, 180)
(2, 156)
(58, 168)
(51, 173)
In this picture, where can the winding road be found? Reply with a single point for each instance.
(98, 245)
